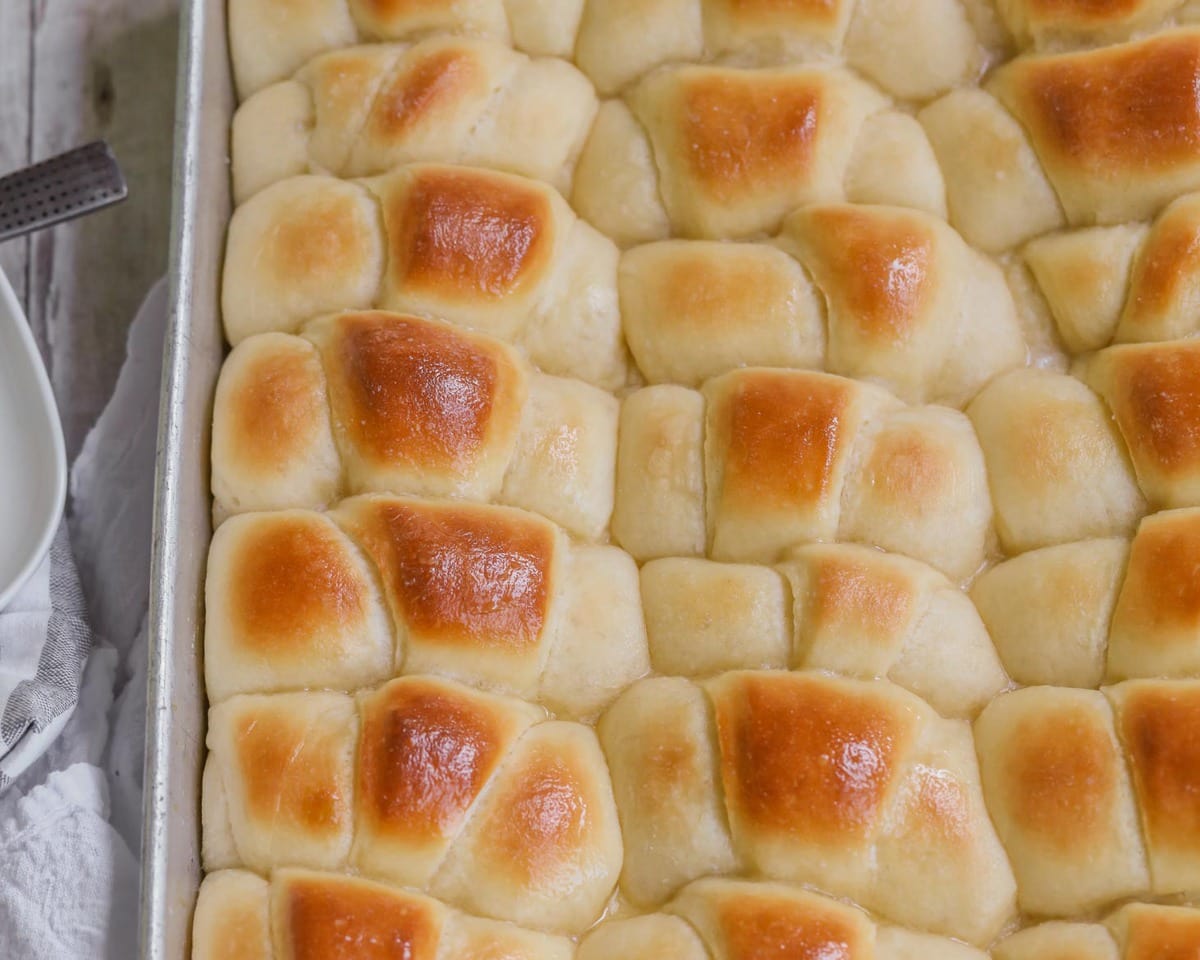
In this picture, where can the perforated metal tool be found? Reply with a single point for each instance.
(79, 181)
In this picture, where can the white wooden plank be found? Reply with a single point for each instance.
(16, 40)
(101, 68)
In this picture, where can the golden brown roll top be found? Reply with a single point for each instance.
(293, 602)
(717, 152)
(765, 459)
(318, 916)
(363, 110)
(1117, 129)
(1093, 793)
(857, 788)
(472, 797)
(1151, 390)
(411, 406)
(908, 304)
(482, 249)
(1138, 931)
(841, 607)
(269, 39)
(743, 920)
(932, 47)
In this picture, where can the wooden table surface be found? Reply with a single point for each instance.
(73, 71)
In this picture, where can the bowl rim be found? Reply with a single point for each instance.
(11, 306)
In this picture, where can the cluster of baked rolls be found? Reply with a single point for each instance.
(707, 480)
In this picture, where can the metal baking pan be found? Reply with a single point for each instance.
(182, 523)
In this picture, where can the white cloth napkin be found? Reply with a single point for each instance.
(70, 823)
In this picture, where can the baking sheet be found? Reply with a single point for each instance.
(182, 524)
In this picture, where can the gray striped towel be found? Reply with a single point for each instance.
(44, 643)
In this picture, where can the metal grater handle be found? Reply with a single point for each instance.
(64, 187)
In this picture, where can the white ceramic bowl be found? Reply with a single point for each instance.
(33, 462)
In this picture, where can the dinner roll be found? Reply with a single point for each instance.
(416, 406)
(360, 111)
(872, 825)
(438, 786)
(996, 190)
(913, 51)
(734, 150)
(788, 458)
(1049, 611)
(1150, 389)
(293, 603)
(1114, 128)
(301, 913)
(481, 249)
(269, 39)
(1084, 275)
(1057, 467)
(1059, 794)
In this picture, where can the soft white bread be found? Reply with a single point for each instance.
(663, 760)
(300, 913)
(293, 603)
(1060, 797)
(855, 787)
(486, 250)
(652, 936)
(1151, 390)
(272, 441)
(1138, 931)
(1084, 276)
(1125, 284)
(363, 110)
(907, 304)
(1049, 611)
(1057, 467)
(279, 781)
(269, 39)
(693, 309)
(996, 190)
(472, 797)
(416, 406)
(1114, 128)
(232, 920)
(715, 152)
(1077, 24)
(659, 506)
(1058, 941)
(914, 50)
(1078, 614)
(1093, 808)
(844, 608)
(864, 613)
(790, 457)
(703, 617)
(719, 919)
